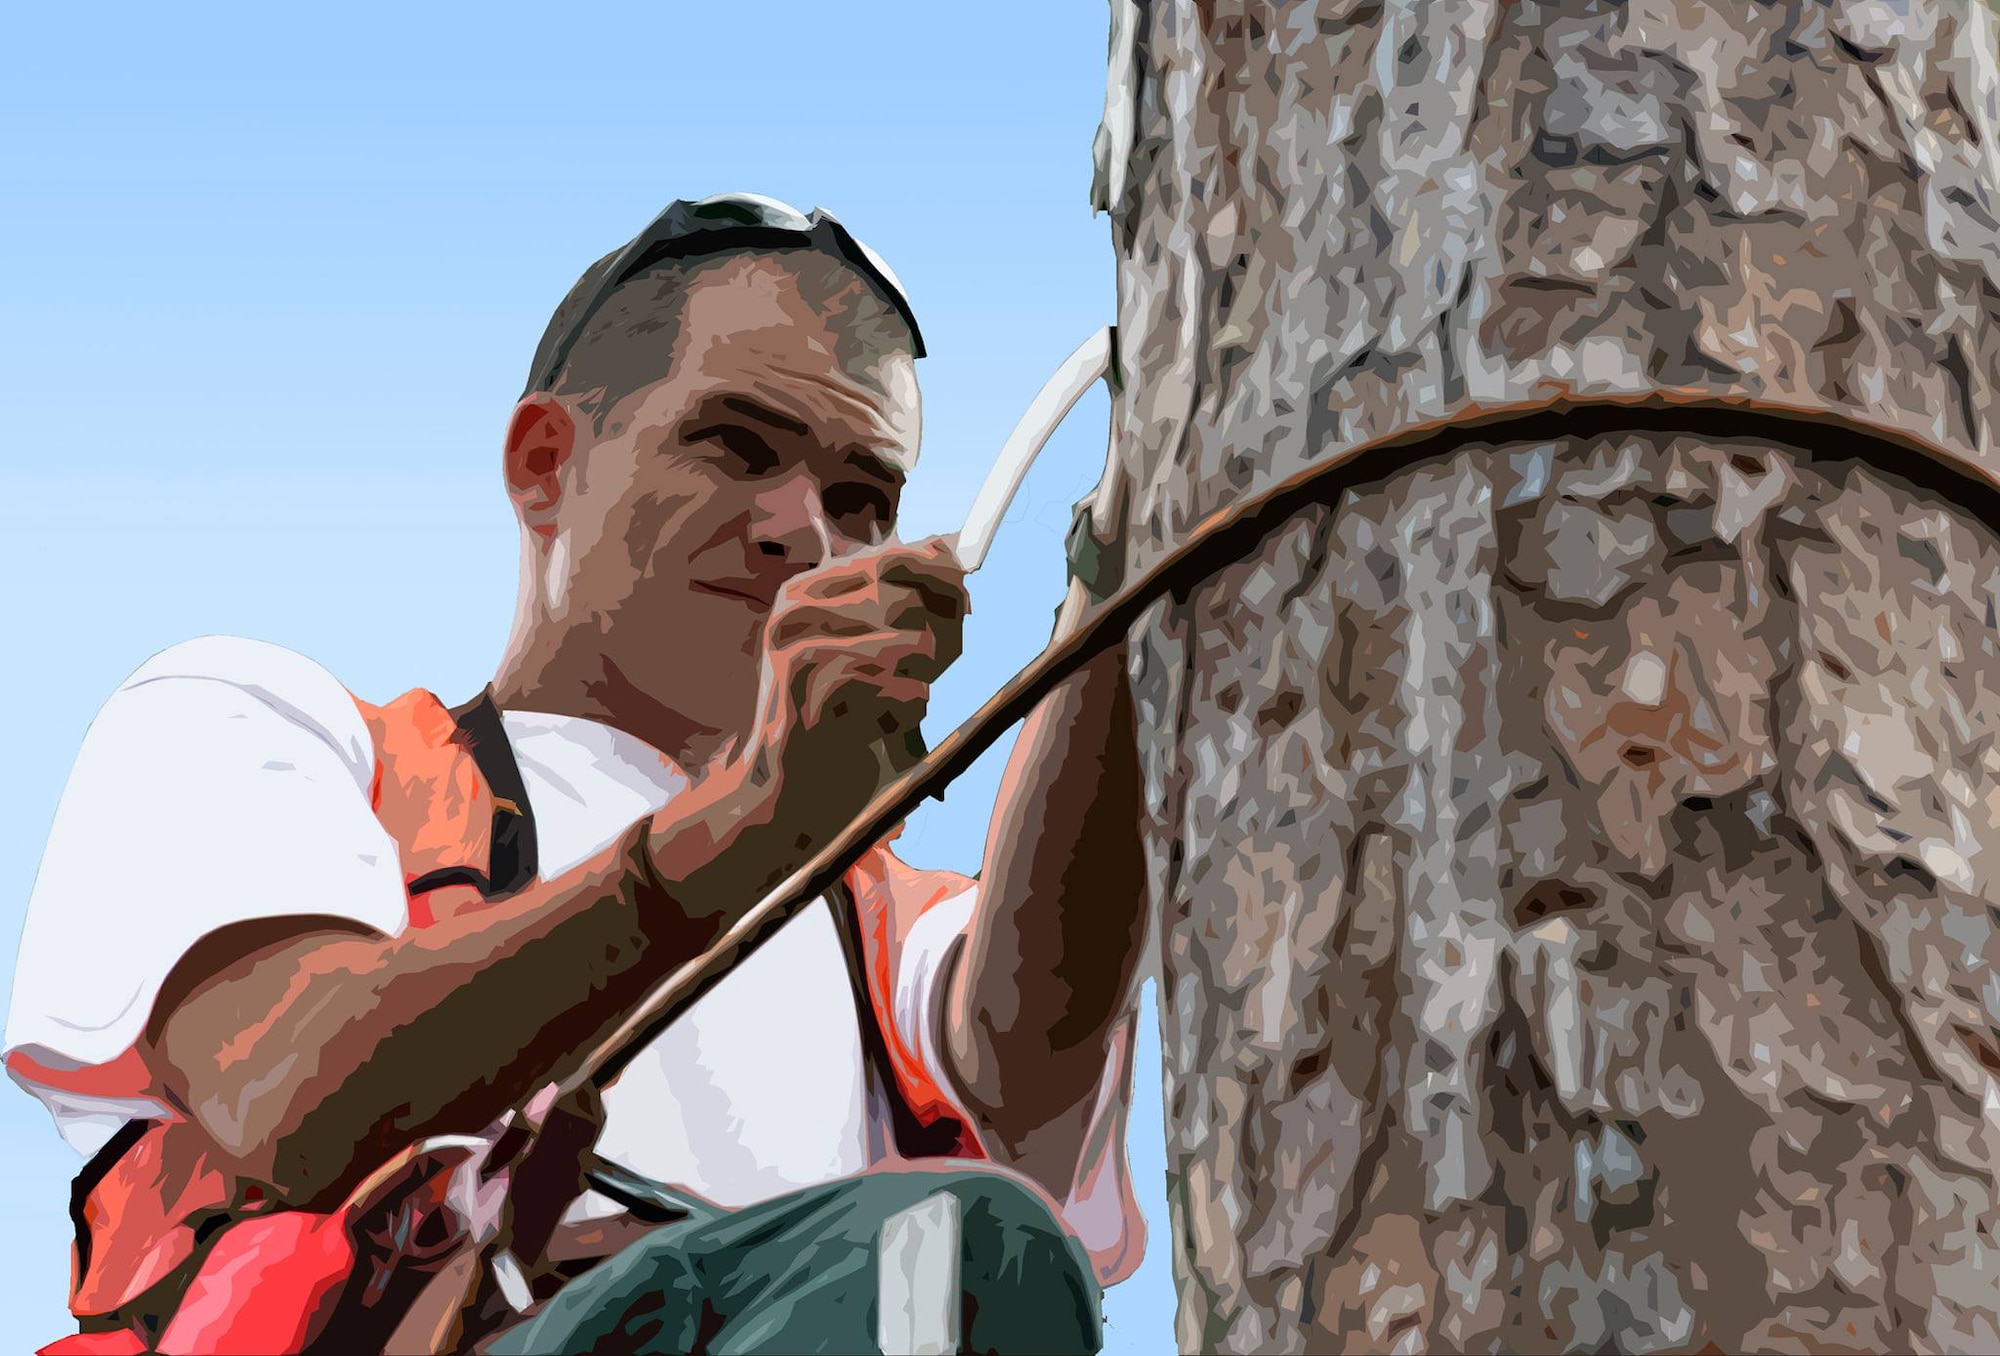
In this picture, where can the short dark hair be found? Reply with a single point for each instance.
(639, 291)
(630, 342)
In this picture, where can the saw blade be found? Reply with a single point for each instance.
(1079, 372)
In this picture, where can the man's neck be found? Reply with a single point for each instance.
(528, 682)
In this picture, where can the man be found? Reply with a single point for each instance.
(260, 959)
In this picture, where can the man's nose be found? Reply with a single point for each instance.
(788, 522)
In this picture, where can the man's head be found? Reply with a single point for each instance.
(692, 437)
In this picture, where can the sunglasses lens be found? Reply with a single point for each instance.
(749, 209)
(881, 267)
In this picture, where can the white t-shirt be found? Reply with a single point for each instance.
(229, 780)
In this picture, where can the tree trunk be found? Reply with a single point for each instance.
(1575, 860)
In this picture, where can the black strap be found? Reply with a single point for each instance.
(640, 1195)
(914, 1139)
(514, 859)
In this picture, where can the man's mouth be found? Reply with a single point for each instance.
(742, 590)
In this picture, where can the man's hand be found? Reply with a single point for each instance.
(850, 652)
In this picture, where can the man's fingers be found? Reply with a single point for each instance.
(864, 682)
(919, 654)
(899, 691)
(907, 605)
(927, 566)
(794, 625)
(943, 582)
(835, 580)
(947, 644)
(887, 608)
(896, 702)
(913, 654)
(933, 568)
(941, 599)
(862, 638)
(809, 627)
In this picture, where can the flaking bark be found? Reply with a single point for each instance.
(1575, 860)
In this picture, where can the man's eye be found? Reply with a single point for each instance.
(744, 448)
(856, 501)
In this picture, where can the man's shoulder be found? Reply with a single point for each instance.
(232, 659)
(257, 678)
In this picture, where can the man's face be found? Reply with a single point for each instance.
(766, 450)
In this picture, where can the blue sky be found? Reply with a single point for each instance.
(271, 281)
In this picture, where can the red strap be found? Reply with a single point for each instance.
(264, 1288)
(124, 1342)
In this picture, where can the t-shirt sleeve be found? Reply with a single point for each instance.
(226, 781)
(1100, 1207)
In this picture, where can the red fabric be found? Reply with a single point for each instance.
(891, 895)
(121, 1343)
(264, 1288)
(137, 1217)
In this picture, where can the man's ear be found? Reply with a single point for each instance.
(541, 438)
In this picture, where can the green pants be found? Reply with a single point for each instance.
(911, 1261)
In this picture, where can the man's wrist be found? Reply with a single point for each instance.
(706, 849)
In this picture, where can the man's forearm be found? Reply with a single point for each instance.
(312, 1061)
(1062, 910)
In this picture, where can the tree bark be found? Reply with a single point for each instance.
(1574, 861)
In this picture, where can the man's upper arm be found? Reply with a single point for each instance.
(225, 782)
(1099, 1206)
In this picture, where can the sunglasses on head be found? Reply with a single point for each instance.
(720, 225)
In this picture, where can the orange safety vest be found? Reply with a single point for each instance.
(172, 1257)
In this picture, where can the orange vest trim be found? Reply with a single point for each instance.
(124, 1077)
(429, 795)
(891, 896)
(142, 1217)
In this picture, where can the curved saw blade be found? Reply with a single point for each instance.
(1079, 372)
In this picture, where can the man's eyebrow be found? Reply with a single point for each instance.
(758, 412)
(861, 458)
